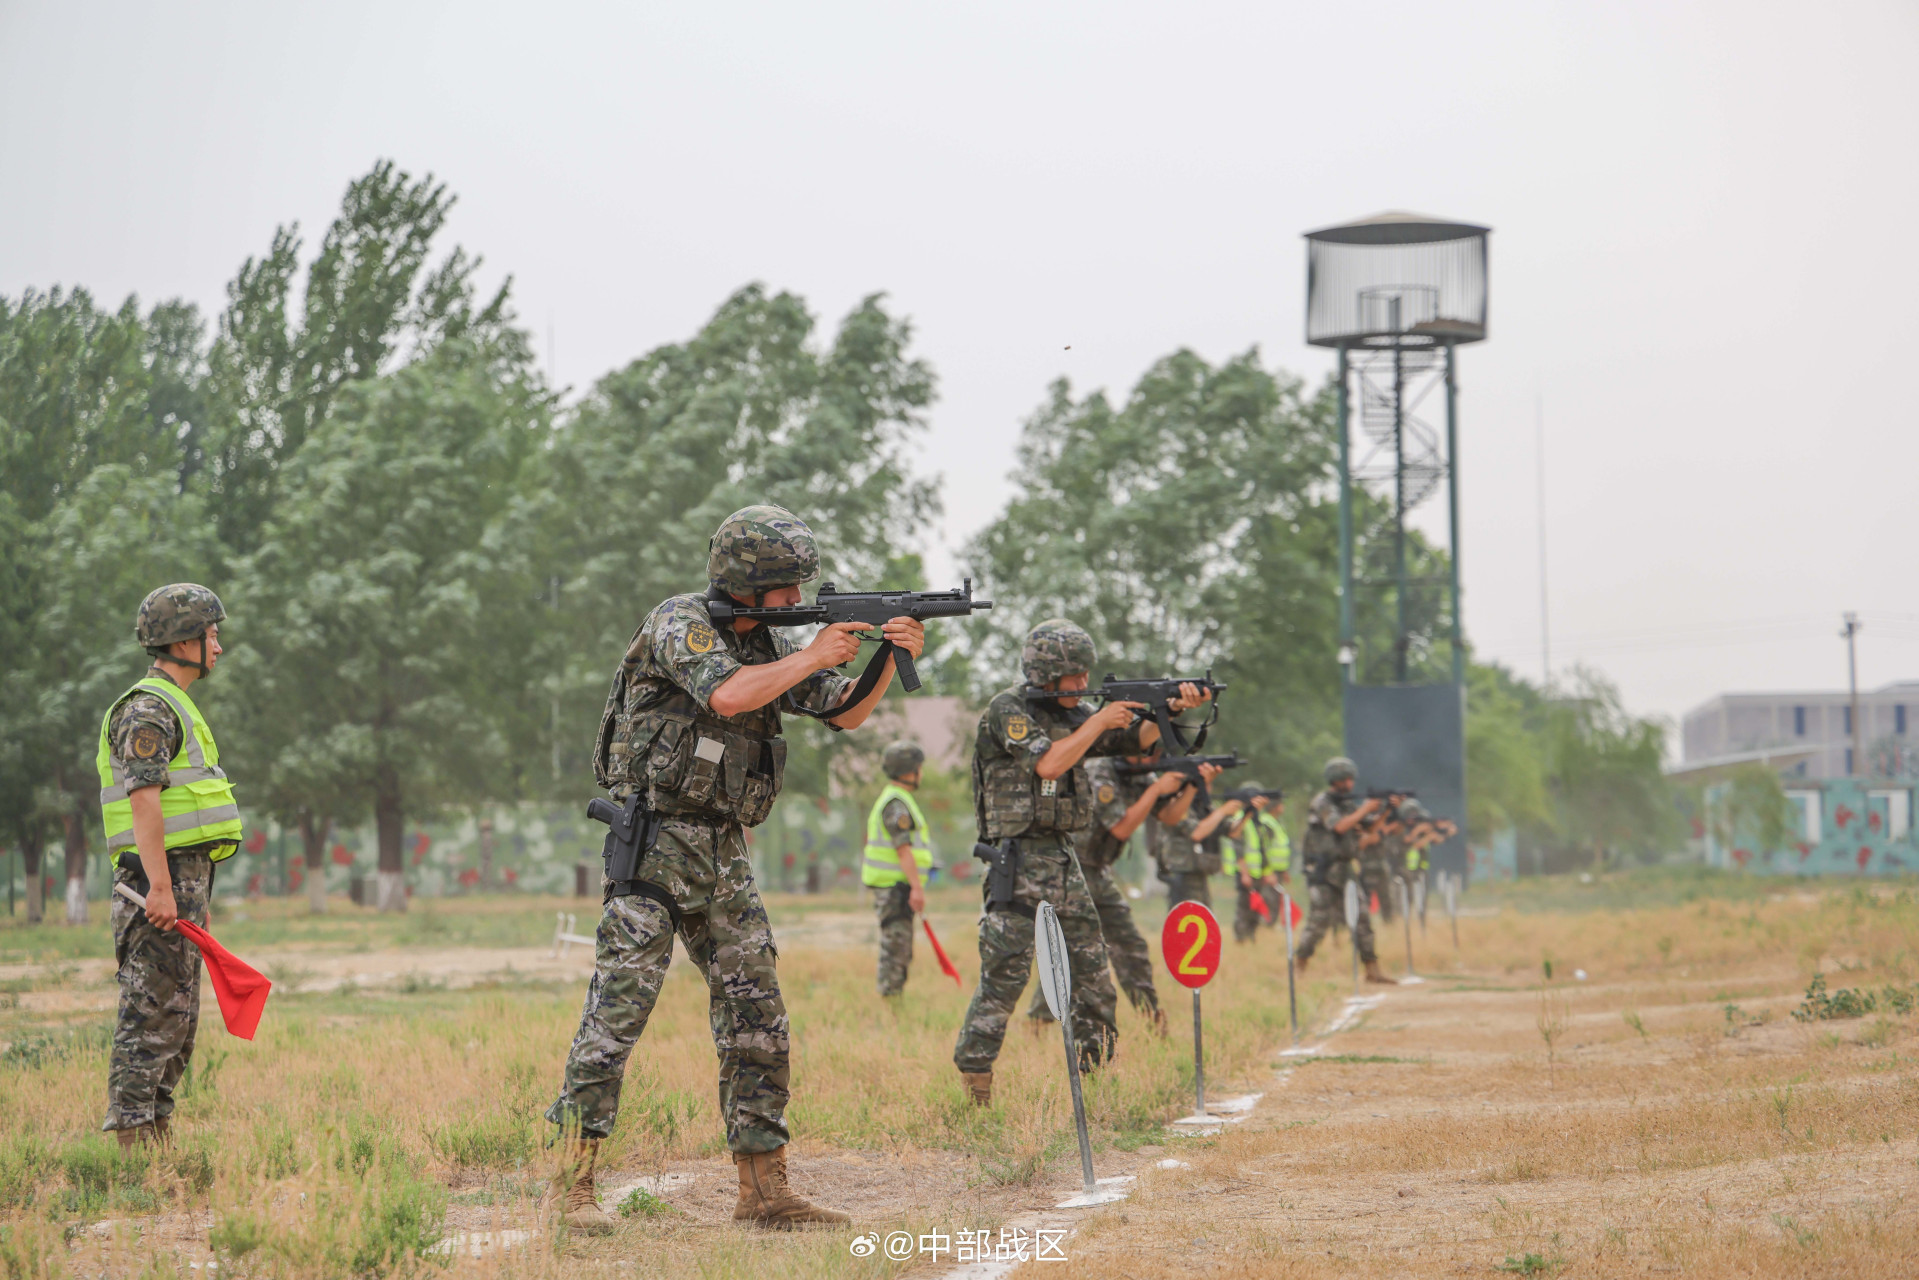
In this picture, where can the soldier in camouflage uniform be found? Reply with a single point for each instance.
(1331, 852)
(1186, 845)
(692, 724)
(899, 850)
(1382, 851)
(1122, 803)
(1032, 798)
(169, 816)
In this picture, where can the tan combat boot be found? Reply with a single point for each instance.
(579, 1202)
(766, 1198)
(1374, 974)
(138, 1135)
(979, 1086)
(163, 1130)
(1157, 1021)
(1299, 963)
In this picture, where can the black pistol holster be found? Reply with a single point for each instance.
(632, 831)
(1002, 876)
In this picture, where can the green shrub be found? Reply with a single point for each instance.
(24, 1162)
(495, 1140)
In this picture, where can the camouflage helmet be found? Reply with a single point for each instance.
(902, 758)
(1340, 769)
(1412, 811)
(179, 611)
(759, 548)
(1056, 648)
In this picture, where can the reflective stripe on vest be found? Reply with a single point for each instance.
(1279, 846)
(196, 805)
(880, 866)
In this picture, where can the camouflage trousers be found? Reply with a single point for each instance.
(1187, 886)
(1246, 917)
(895, 917)
(1132, 962)
(1376, 880)
(1048, 872)
(159, 997)
(1327, 905)
(703, 868)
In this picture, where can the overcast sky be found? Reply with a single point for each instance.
(1703, 265)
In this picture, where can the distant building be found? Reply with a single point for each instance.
(1859, 824)
(1815, 729)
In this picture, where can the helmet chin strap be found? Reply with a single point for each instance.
(200, 665)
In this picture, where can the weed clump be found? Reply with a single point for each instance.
(1823, 1006)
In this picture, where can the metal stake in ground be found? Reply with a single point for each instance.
(1449, 885)
(1189, 943)
(1056, 984)
(1292, 993)
(1352, 926)
(1405, 914)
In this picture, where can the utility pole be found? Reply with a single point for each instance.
(1852, 679)
(1545, 624)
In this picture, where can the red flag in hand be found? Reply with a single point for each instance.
(946, 966)
(1258, 901)
(241, 988)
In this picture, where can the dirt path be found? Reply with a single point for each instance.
(1430, 1138)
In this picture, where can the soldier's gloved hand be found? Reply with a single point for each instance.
(916, 899)
(908, 633)
(1115, 715)
(162, 911)
(836, 644)
(1190, 696)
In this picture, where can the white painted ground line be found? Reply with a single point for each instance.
(1110, 1190)
(474, 1244)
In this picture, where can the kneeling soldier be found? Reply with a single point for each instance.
(692, 728)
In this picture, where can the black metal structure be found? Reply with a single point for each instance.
(1396, 295)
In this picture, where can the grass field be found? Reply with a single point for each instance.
(1664, 1112)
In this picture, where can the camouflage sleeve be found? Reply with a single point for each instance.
(1109, 797)
(142, 737)
(897, 821)
(1119, 742)
(1009, 728)
(687, 650)
(821, 691)
(1323, 811)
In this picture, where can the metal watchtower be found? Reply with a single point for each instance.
(1396, 295)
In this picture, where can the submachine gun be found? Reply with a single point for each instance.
(1189, 766)
(1157, 695)
(870, 608)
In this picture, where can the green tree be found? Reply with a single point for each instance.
(1610, 793)
(388, 639)
(1193, 527)
(370, 301)
(1506, 768)
(615, 515)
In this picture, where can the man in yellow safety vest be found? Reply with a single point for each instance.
(169, 815)
(899, 851)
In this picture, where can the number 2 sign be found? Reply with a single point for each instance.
(1190, 942)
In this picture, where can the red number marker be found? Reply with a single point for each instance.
(1190, 943)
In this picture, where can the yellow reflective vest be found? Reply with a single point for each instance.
(1262, 848)
(197, 803)
(880, 867)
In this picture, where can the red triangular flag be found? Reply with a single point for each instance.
(242, 989)
(1298, 915)
(946, 966)
(1258, 900)
(1375, 904)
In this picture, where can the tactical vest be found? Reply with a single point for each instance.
(196, 805)
(880, 865)
(689, 761)
(1011, 800)
(1099, 849)
(1277, 846)
(1323, 848)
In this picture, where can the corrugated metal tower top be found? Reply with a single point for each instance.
(1396, 279)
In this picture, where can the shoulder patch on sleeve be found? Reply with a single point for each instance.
(1106, 793)
(1018, 726)
(700, 638)
(145, 742)
(904, 822)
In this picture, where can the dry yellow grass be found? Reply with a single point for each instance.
(1435, 1138)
